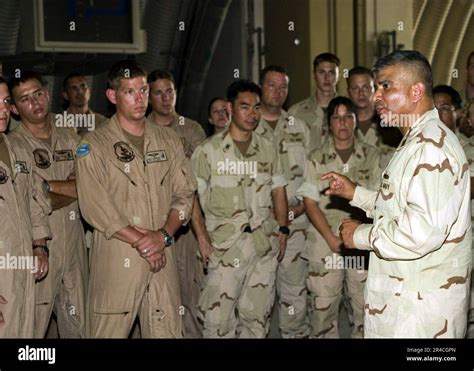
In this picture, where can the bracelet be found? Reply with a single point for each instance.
(43, 248)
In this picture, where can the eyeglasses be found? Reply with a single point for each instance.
(29, 98)
(445, 109)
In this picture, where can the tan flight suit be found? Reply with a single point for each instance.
(291, 138)
(23, 215)
(420, 265)
(235, 195)
(186, 248)
(311, 112)
(327, 279)
(469, 151)
(63, 289)
(117, 188)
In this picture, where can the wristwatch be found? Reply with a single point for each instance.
(43, 248)
(168, 239)
(284, 229)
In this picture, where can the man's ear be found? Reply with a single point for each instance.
(14, 109)
(111, 95)
(65, 96)
(418, 91)
(228, 107)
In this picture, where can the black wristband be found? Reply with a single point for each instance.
(284, 230)
(43, 248)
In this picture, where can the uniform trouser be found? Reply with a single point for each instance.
(470, 320)
(291, 288)
(238, 292)
(156, 303)
(326, 289)
(190, 272)
(63, 291)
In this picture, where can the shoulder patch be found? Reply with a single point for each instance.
(83, 149)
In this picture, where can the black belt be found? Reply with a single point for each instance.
(247, 229)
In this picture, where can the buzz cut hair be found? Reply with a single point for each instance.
(411, 59)
(271, 68)
(160, 75)
(71, 76)
(360, 70)
(242, 86)
(25, 76)
(326, 57)
(125, 69)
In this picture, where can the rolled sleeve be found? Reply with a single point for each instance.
(115, 227)
(361, 237)
(308, 190)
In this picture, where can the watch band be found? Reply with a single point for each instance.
(168, 239)
(43, 248)
(284, 229)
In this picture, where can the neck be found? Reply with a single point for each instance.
(324, 98)
(343, 144)
(239, 135)
(218, 130)
(40, 130)
(364, 114)
(421, 108)
(134, 127)
(163, 120)
(78, 110)
(271, 113)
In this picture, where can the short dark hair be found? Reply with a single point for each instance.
(326, 57)
(271, 68)
(211, 102)
(471, 54)
(3, 81)
(125, 69)
(410, 58)
(160, 75)
(242, 86)
(24, 77)
(449, 90)
(340, 101)
(360, 70)
(71, 76)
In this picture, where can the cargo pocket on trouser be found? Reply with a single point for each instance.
(43, 311)
(161, 313)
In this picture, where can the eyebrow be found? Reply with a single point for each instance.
(25, 95)
(381, 82)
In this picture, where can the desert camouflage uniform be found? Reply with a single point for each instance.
(23, 213)
(186, 248)
(63, 289)
(327, 278)
(418, 282)
(372, 138)
(238, 291)
(313, 115)
(469, 151)
(291, 138)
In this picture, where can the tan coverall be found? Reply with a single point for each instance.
(291, 138)
(63, 289)
(23, 218)
(117, 188)
(186, 249)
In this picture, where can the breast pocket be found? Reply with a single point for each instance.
(225, 202)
